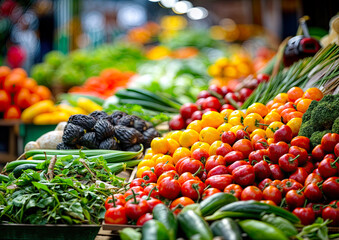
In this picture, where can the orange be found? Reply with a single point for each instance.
(212, 119)
(160, 145)
(225, 113)
(272, 128)
(173, 145)
(201, 145)
(149, 163)
(303, 105)
(234, 121)
(272, 116)
(164, 159)
(295, 124)
(224, 127)
(209, 135)
(294, 93)
(188, 138)
(195, 125)
(214, 147)
(259, 108)
(313, 93)
(181, 152)
(281, 98)
(234, 129)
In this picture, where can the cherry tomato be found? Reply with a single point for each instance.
(197, 115)
(241, 134)
(5, 100)
(262, 170)
(313, 193)
(187, 176)
(233, 156)
(257, 156)
(301, 141)
(317, 208)
(137, 182)
(330, 155)
(225, 90)
(284, 133)
(153, 189)
(149, 176)
(303, 156)
(244, 175)
(295, 199)
(116, 215)
(306, 215)
(223, 149)
(144, 218)
(176, 123)
(213, 161)
(169, 188)
(318, 153)
(244, 146)
(236, 164)
(277, 183)
(211, 102)
(331, 188)
(288, 162)
(234, 189)
(272, 193)
(193, 189)
(160, 168)
(187, 109)
(200, 154)
(227, 106)
(251, 193)
(244, 93)
(228, 137)
(261, 144)
(313, 178)
(136, 207)
(182, 202)
(264, 183)
(299, 175)
(209, 192)
(328, 168)
(329, 140)
(22, 98)
(219, 181)
(203, 94)
(276, 172)
(215, 88)
(118, 198)
(332, 213)
(276, 150)
(221, 169)
(290, 184)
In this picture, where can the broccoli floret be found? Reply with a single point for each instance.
(325, 112)
(335, 126)
(307, 115)
(306, 129)
(317, 136)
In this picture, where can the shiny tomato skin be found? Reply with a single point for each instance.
(276, 150)
(211, 102)
(187, 109)
(192, 189)
(301, 141)
(144, 218)
(12, 112)
(136, 189)
(136, 210)
(187, 176)
(169, 188)
(234, 189)
(219, 181)
(209, 192)
(221, 169)
(262, 170)
(233, 156)
(272, 193)
(308, 166)
(152, 202)
(116, 215)
(251, 193)
(155, 192)
(330, 187)
(149, 176)
(317, 208)
(177, 123)
(290, 184)
(264, 183)
(257, 156)
(328, 168)
(171, 173)
(244, 146)
(318, 153)
(303, 155)
(160, 168)
(213, 161)
(192, 166)
(288, 162)
(295, 199)
(5, 100)
(336, 150)
(276, 172)
(236, 164)
(119, 200)
(224, 149)
(228, 137)
(313, 178)
(313, 193)
(184, 201)
(200, 154)
(306, 215)
(284, 133)
(299, 175)
(137, 182)
(329, 140)
(332, 213)
(244, 175)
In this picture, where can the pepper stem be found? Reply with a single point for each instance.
(134, 197)
(197, 172)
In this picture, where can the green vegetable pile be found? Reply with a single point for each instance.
(321, 117)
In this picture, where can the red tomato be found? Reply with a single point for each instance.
(135, 208)
(251, 193)
(221, 169)
(215, 88)
(272, 193)
(295, 199)
(317, 208)
(261, 144)
(225, 90)
(227, 106)
(234, 189)
(118, 198)
(169, 188)
(219, 181)
(233, 156)
(213, 161)
(187, 109)
(144, 218)
(192, 189)
(187, 176)
(151, 202)
(138, 190)
(231, 95)
(209, 192)
(331, 188)
(244, 175)
(336, 150)
(276, 183)
(264, 183)
(182, 202)
(211, 102)
(200, 154)
(241, 134)
(270, 202)
(284, 133)
(301, 141)
(276, 172)
(257, 156)
(332, 213)
(116, 215)
(244, 146)
(160, 168)
(13, 112)
(191, 165)
(197, 115)
(152, 190)
(313, 193)
(223, 149)
(137, 182)
(303, 155)
(308, 166)
(236, 164)
(149, 176)
(318, 153)
(176, 123)
(262, 170)
(13, 83)
(328, 168)
(171, 173)
(228, 137)
(306, 215)
(5, 100)
(288, 162)
(313, 178)
(299, 175)
(244, 94)
(290, 184)
(203, 94)
(329, 140)
(276, 150)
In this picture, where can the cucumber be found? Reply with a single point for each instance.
(124, 94)
(150, 105)
(4, 178)
(226, 228)
(154, 230)
(11, 165)
(194, 226)
(216, 201)
(164, 215)
(255, 207)
(17, 171)
(258, 230)
(280, 223)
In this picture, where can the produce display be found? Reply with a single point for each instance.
(18, 92)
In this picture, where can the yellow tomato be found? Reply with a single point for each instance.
(236, 113)
(164, 159)
(176, 135)
(195, 125)
(188, 138)
(234, 121)
(173, 145)
(258, 108)
(270, 141)
(234, 129)
(209, 135)
(224, 127)
(159, 145)
(201, 145)
(272, 116)
(148, 163)
(141, 170)
(295, 124)
(148, 156)
(251, 122)
(281, 98)
(212, 119)
(214, 147)
(226, 113)
(272, 128)
(260, 132)
(156, 156)
(181, 153)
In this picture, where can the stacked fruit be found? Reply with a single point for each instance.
(254, 155)
(18, 92)
(214, 99)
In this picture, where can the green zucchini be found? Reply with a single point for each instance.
(220, 215)
(154, 230)
(255, 207)
(194, 226)
(11, 165)
(4, 178)
(17, 171)
(216, 201)
(258, 230)
(281, 223)
(164, 215)
(226, 228)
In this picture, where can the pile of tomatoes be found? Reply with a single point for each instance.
(214, 99)
(254, 155)
(18, 92)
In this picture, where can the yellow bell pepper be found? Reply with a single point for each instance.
(45, 106)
